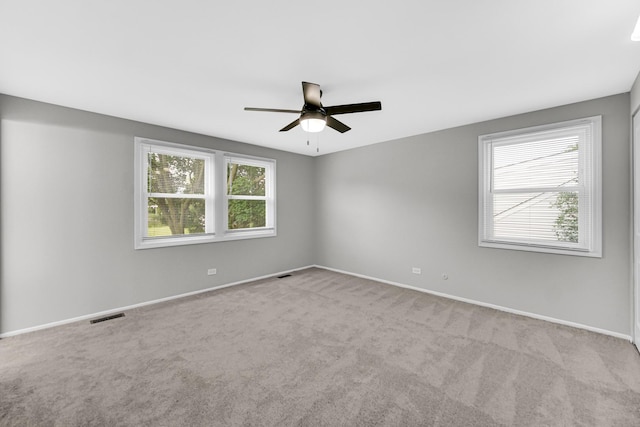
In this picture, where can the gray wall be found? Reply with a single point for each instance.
(386, 208)
(66, 213)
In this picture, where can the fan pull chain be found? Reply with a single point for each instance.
(318, 142)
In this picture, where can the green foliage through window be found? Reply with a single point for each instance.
(566, 224)
(244, 183)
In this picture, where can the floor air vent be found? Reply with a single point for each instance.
(283, 276)
(104, 319)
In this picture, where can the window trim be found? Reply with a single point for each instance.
(590, 159)
(215, 190)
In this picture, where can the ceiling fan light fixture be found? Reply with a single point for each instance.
(313, 125)
(314, 116)
(313, 122)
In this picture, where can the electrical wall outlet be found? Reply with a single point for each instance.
(212, 271)
(416, 270)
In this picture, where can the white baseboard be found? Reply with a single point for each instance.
(489, 305)
(142, 304)
(401, 285)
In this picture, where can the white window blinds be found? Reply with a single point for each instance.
(540, 188)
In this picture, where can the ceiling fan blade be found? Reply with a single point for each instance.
(291, 125)
(353, 108)
(311, 93)
(337, 125)
(271, 110)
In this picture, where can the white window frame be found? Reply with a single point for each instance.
(215, 195)
(269, 197)
(590, 183)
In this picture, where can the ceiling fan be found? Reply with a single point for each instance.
(314, 116)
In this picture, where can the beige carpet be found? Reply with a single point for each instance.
(318, 349)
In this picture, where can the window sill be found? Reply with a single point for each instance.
(529, 247)
(163, 242)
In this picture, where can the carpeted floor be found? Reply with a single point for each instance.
(318, 349)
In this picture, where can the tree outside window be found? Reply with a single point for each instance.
(174, 177)
(246, 191)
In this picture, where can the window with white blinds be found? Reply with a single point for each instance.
(540, 188)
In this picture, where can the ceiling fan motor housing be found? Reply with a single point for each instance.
(313, 112)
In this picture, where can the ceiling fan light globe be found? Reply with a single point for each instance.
(313, 125)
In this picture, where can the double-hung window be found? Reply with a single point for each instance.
(249, 195)
(180, 195)
(540, 188)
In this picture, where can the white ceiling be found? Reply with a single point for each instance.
(194, 65)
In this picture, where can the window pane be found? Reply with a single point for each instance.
(247, 213)
(175, 174)
(536, 164)
(244, 180)
(540, 216)
(174, 216)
